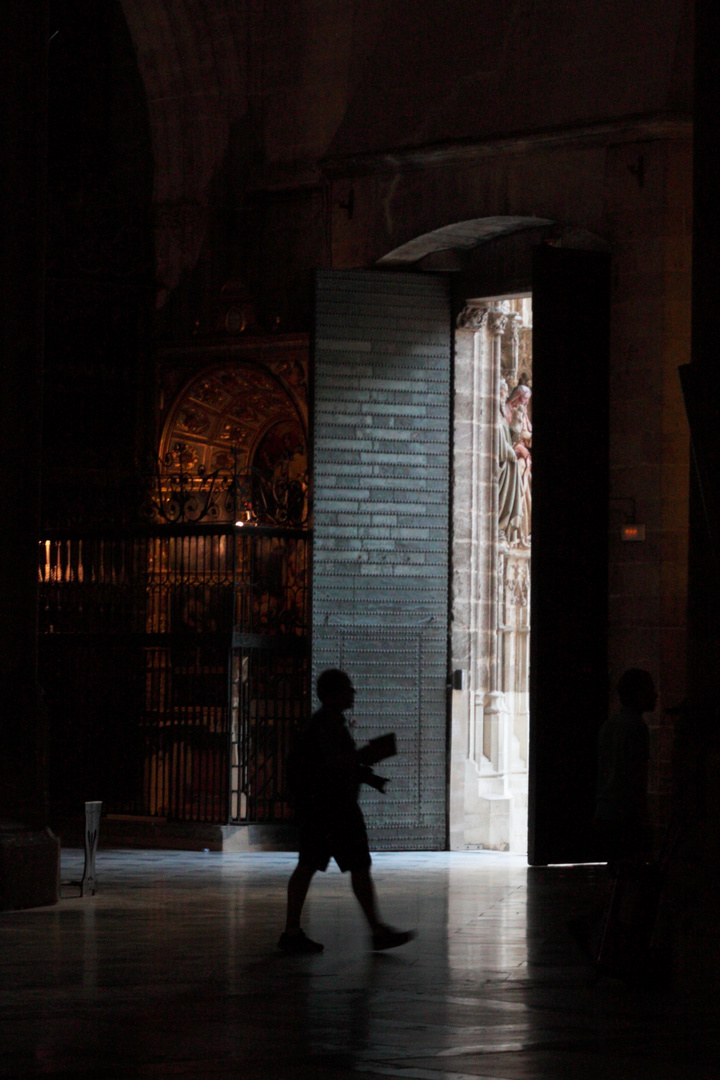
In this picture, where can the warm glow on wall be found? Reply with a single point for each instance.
(632, 532)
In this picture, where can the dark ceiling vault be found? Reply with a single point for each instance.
(195, 60)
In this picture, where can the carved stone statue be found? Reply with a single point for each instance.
(516, 411)
(509, 480)
(515, 464)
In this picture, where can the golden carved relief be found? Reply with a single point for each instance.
(236, 427)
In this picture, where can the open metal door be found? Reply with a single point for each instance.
(381, 447)
(568, 641)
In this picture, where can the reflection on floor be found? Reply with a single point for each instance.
(172, 970)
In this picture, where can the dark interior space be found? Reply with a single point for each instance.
(273, 273)
(98, 390)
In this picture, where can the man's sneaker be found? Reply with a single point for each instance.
(298, 944)
(387, 938)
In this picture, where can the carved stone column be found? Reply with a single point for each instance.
(488, 323)
(497, 325)
(475, 318)
(512, 351)
(470, 500)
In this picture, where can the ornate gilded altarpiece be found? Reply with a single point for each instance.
(238, 425)
(174, 650)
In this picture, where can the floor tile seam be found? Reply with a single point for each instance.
(426, 1074)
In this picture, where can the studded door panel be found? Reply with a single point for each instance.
(381, 520)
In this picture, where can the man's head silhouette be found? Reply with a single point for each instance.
(335, 689)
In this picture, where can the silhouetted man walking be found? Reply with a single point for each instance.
(325, 772)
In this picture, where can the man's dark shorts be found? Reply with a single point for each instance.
(334, 833)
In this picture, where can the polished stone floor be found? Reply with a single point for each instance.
(172, 970)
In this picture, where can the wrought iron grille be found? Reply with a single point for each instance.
(269, 676)
(137, 634)
(269, 696)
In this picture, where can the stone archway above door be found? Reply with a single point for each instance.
(463, 246)
(460, 236)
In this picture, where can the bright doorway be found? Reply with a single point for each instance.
(490, 642)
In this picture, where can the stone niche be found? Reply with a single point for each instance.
(491, 575)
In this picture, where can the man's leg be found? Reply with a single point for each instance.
(297, 890)
(362, 885)
(293, 940)
(384, 937)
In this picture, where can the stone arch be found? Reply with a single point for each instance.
(463, 246)
(460, 236)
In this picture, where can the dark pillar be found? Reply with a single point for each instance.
(29, 854)
(706, 178)
(696, 801)
(701, 383)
